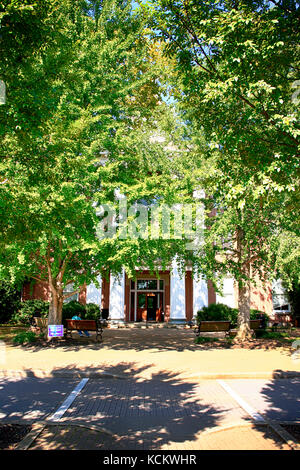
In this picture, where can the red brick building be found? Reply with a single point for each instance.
(169, 298)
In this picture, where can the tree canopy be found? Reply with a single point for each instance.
(81, 115)
(237, 66)
(151, 104)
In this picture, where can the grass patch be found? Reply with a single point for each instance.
(272, 335)
(7, 333)
(205, 339)
(291, 340)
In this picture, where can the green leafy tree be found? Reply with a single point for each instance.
(236, 85)
(85, 138)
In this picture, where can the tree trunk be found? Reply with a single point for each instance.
(56, 288)
(55, 307)
(244, 331)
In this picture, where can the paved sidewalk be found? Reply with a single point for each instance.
(146, 390)
(238, 437)
(147, 353)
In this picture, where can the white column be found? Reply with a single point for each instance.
(228, 293)
(200, 294)
(117, 299)
(177, 296)
(93, 293)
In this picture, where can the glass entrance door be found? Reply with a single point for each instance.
(147, 300)
(151, 307)
(148, 306)
(141, 313)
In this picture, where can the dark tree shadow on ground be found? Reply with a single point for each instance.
(283, 397)
(154, 341)
(124, 339)
(144, 413)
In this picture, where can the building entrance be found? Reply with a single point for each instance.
(147, 305)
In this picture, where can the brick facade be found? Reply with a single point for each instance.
(261, 297)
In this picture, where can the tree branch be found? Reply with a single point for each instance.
(70, 294)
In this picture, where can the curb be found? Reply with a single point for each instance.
(87, 374)
(42, 374)
(26, 442)
(284, 434)
(39, 373)
(244, 375)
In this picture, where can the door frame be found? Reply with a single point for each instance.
(131, 300)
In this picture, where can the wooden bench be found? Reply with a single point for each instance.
(224, 326)
(255, 324)
(213, 326)
(84, 325)
(39, 324)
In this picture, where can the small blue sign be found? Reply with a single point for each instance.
(55, 330)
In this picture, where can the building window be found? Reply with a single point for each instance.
(147, 284)
(280, 304)
(279, 298)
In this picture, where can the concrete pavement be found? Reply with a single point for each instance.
(147, 353)
(145, 390)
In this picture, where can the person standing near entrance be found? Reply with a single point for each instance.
(77, 317)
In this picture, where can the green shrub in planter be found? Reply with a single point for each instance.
(254, 313)
(86, 312)
(73, 308)
(257, 315)
(221, 312)
(29, 309)
(271, 335)
(92, 312)
(218, 312)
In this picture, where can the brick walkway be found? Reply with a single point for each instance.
(114, 414)
(157, 408)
